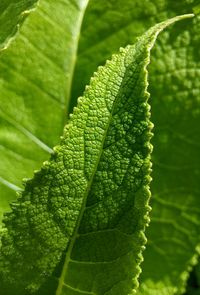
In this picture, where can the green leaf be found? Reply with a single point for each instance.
(12, 14)
(117, 24)
(35, 79)
(93, 194)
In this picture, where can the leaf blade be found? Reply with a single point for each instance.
(70, 281)
(43, 213)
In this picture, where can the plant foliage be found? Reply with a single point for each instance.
(77, 226)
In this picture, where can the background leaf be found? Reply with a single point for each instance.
(12, 14)
(35, 74)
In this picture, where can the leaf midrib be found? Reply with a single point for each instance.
(83, 207)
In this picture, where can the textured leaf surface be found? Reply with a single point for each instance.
(12, 14)
(174, 83)
(35, 74)
(93, 193)
(129, 22)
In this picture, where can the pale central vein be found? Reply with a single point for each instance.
(82, 210)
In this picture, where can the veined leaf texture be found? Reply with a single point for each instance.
(27, 136)
(93, 194)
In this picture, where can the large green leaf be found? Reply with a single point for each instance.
(107, 25)
(92, 196)
(12, 14)
(35, 77)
